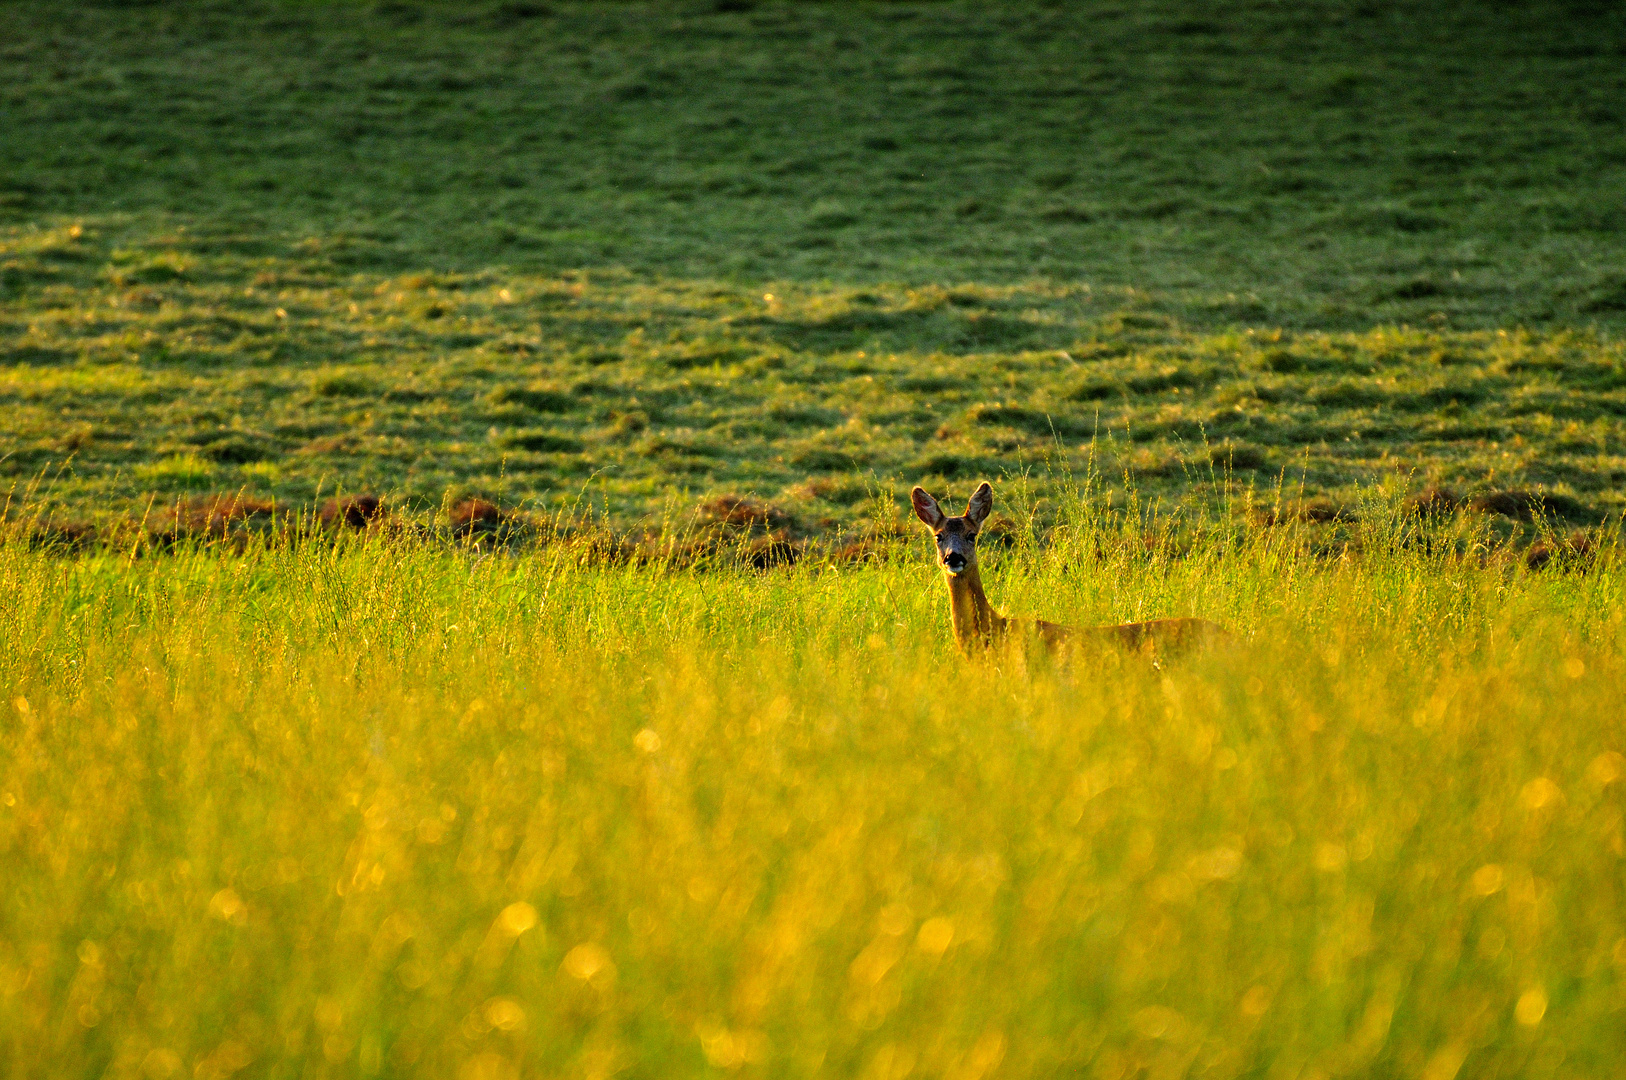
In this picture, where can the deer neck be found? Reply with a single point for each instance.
(975, 620)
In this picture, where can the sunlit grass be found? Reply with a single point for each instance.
(177, 470)
(638, 392)
(400, 810)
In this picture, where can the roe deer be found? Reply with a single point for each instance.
(976, 623)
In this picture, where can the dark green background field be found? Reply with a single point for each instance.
(524, 250)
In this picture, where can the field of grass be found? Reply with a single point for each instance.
(384, 810)
(547, 390)
(805, 251)
(1327, 164)
(688, 780)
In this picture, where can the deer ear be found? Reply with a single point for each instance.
(926, 509)
(982, 502)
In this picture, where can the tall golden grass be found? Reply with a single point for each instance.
(386, 809)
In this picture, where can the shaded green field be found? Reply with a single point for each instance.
(383, 810)
(1328, 164)
(522, 251)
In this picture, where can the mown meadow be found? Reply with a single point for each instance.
(459, 616)
(642, 254)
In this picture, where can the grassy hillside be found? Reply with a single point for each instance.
(386, 811)
(515, 249)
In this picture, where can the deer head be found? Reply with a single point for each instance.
(956, 536)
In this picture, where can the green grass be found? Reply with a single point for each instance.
(382, 810)
(552, 390)
(1328, 164)
(1351, 239)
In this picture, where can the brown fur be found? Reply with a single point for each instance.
(1527, 505)
(978, 626)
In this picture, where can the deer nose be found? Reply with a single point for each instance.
(954, 561)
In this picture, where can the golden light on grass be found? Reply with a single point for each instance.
(984, 1056)
(730, 1049)
(1606, 768)
(589, 962)
(1539, 792)
(504, 1014)
(1531, 1007)
(227, 906)
(1446, 1062)
(935, 936)
(457, 855)
(1487, 880)
(1330, 858)
(517, 918)
(160, 1063)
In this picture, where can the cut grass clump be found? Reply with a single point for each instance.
(236, 450)
(1576, 552)
(1166, 379)
(1097, 390)
(1310, 511)
(206, 519)
(535, 398)
(1348, 394)
(1432, 502)
(135, 267)
(343, 386)
(1032, 421)
(949, 466)
(539, 441)
(1531, 506)
(479, 522)
(824, 459)
(740, 512)
(176, 472)
(836, 491)
(352, 512)
(1234, 456)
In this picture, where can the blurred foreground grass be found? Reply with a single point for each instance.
(381, 809)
